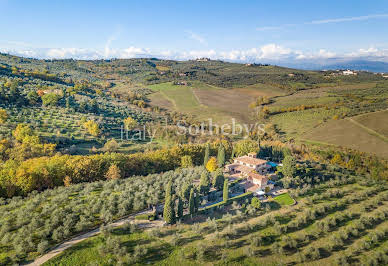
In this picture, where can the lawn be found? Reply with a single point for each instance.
(284, 199)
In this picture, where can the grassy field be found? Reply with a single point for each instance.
(181, 97)
(297, 124)
(284, 199)
(377, 121)
(207, 101)
(347, 134)
(306, 233)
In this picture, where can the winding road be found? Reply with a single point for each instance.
(62, 247)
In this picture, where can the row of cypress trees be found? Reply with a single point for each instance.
(171, 198)
(218, 181)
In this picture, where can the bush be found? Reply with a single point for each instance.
(43, 247)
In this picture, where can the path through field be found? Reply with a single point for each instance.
(62, 247)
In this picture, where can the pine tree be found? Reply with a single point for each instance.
(207, 154)
(226, 190)
(192, 202)
(204, 183)
(221, 155)
(180, 208)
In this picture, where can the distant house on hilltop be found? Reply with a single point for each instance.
(349, 72)
(203, 59)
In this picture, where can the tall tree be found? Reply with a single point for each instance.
(192, 202)
(180, 208)
(185, 192)
(204, 183)
(289, 166)
(197, 199)
(226, 190)
(207, 154)
(218, 179)
(221, 155)
(168, 211)
(169, 189)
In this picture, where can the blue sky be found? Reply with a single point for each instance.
(230, 30)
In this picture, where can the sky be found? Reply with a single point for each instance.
(247, 31)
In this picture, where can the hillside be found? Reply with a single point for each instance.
(86, 143)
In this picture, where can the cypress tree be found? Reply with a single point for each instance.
(218, 179)
(196, 200)
(180, 208)
(207, 154)
(204, 183)
(192, 202)
(221, 155)
(169, 188)
(226, 190)
(233, 152)
(168, 211)
(289, 166)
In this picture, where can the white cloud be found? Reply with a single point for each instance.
(323, 21)
(269, 53)
(338, 20)
(274, 51)
(265, 28)
(196, 37)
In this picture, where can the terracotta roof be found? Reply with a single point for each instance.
(250, 160)
(232, 165)
(257, 176)
(251, 187)
(243, 169)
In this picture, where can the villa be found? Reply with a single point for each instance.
(251, 168)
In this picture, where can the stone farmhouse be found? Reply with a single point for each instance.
(251, 168)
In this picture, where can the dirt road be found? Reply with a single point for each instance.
(62, 247)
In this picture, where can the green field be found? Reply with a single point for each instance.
(284, 199)
(206, 101)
